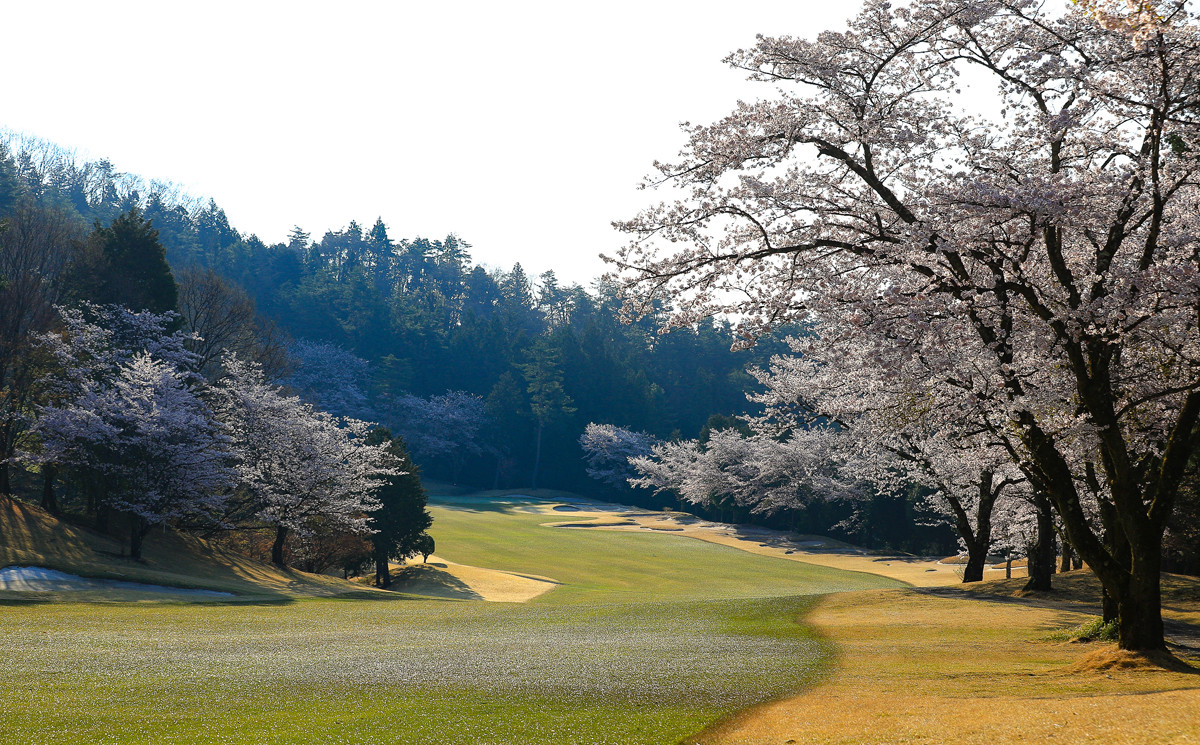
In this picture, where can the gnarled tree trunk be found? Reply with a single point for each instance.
(281, 534)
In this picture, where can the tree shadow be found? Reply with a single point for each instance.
(432, 580)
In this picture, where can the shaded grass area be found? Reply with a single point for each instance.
(650, 637)
(31, 537)
(931, 666)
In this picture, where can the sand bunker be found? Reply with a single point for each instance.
(39, 579)
(439, 578)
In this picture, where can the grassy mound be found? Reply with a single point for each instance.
(29, 536)
(1110, 658)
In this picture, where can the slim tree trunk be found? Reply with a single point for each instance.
(5, 486)
(138, 528)
(281, 534)
(1108, 605)
(49, 498)
(1041, 553)
(537, 458)
(102, 515)
(383, 572)
(1065, 565)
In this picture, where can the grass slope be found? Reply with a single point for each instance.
(29, 536)
(647, 639)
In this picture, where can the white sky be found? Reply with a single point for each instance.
(524, 127)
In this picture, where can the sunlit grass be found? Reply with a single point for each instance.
(648, 639)
(622, 566)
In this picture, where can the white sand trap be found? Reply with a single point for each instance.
(39, 579)
(445, 579)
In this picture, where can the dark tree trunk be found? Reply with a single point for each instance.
(1139, 610)
(1108, 606)
(1065, 564)
(5, 486)
(977, 537)
(976, 561)
(49, 498)
(138, 528)
(537, 458)
(102, 515)
(383, 572)
(281, 534)
(1042, 551)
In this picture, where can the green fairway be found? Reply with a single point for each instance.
(607, 566)
(649, 638)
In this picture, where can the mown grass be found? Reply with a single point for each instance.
(649, 638)
(622, 566)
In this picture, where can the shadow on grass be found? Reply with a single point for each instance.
(1079, 592)
(428, 580)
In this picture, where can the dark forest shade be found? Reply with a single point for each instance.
(133, 268)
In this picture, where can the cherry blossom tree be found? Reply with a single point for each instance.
(608, 450)
(897, 425)
(760, 473)
(301, 466)
(149, 439)
(1041, 255)
(123, 412)
(446, 428)
(331, 378)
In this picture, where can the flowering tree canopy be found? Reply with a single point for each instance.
(1041, 258)
(125, 415)
(330, 377)
(446, 428)
(299, 464)
(608, 450)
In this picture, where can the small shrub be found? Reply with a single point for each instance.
(1093, 630)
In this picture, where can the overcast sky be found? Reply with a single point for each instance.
(524, 127)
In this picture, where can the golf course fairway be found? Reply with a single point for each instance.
(644, 638)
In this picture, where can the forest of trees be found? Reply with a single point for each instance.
(488, 375)
(130, 399)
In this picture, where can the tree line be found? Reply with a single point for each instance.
(490, 376)
(130, 401)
